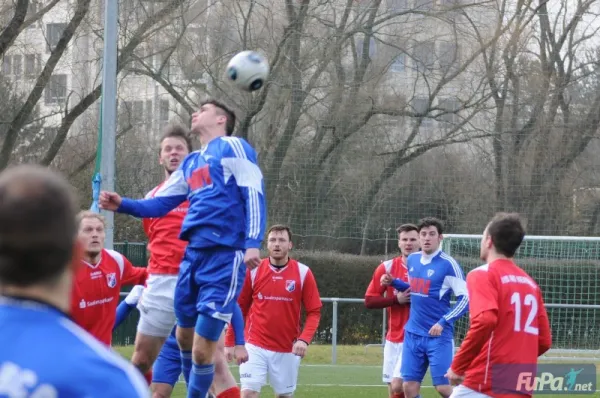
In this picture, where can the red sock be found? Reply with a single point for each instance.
(148, 377)
(398, 395)
(233, 392)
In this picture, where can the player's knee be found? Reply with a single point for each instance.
(161, 391)
(397, 386)
(411, 389)
(185, 338)
(142, 361)
(251, 392)
(444, 390)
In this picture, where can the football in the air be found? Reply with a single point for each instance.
(248, 70)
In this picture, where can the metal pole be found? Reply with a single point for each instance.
(334, 332)
(109, 108)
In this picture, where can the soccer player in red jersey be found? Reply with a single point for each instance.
(98, 282)
(271, 300)
(157, 313)
(397, 304)
(509, 324)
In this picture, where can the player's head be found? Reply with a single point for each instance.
(408, 239)
(213, 117)
(279, 241)
(38, 231)
(502, 236)
(175, 145)
(91, 232)
(430, 234)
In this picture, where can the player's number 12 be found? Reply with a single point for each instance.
(529, 301)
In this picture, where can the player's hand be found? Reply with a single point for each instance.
(252, 258)
(300, 348)
(453, 378)
(229, 353)
(386, 280)
(134, 296)
(436, 330)
(109, 200)
(403, 297)
(240, 354)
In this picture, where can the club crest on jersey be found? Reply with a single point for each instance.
(290, 286)
(429, 273)
(111, 279)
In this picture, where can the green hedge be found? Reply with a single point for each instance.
(347, 276)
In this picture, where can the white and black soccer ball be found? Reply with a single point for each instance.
(248, 70)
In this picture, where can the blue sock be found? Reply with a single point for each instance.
(200, 380)
(186, 365)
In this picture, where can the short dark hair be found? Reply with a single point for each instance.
(507, 233)
(431, 222)
(38, 226)
(176, 131)
(407, 228)
(226, 111)
(280, 228)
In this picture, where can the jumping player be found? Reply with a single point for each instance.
(157, 316)
(429, 332)
(45, 354)
(397, 304)
(224, 229)
(509, 323)
(98, 281)
(271, 301)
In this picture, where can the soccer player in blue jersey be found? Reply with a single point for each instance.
(224, 229)
(429, 333)
(43, 353)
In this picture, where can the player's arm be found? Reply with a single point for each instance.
(244, 303)
(374, 298)
(400, 285)
(484, 318)
(133, 275)
(545, 333)
(241, 162)
(237, 324)
(169, 196)
(455, 280)
(126, 306)
(311, 300)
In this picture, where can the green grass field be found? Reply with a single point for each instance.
(357, 374)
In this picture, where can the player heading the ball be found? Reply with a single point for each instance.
(224, 228)
(509, 324)
(429, 332)
(45, 354)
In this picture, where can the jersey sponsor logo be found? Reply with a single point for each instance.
(245, 375)
(82, 304)
(420, 286)
(111, 279)
(95, 275)
(290, 285)
(200, 178)
(18, 382)
(260, 296)
(95, 302)
(430, 273)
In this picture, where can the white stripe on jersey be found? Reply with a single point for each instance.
(134, 376)
(237, 262)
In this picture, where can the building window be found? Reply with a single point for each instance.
(56, 90)
(421, 106)
(424, 55)
(164, 112)
(448, 57)
(32, 65)
(7, 65)
(423, 5)
(450, 107)
(398, 63)
(397, 5)
(17, 65)
(360, 42)
(54, 32)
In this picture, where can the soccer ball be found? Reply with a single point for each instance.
(248, 70)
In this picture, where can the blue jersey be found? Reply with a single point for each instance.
(44, 354)
(225, 189)
(433, 279)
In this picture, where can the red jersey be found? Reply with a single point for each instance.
(397, 314)
(271, 300)
(166, 249)
(96, 292)
(520, 329)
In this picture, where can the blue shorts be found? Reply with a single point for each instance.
(167, 367)
(209, 283)
(419, 352)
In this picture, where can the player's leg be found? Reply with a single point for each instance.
(253, 373)
(397, 382)
(440, 352)
(414, 364)
(283, 373)
(157, 319)
(389, 359)
(219, 276)
(224, 384)
(166, 369)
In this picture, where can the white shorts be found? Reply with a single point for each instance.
(392, 361)
(282, 368)
(465, 392)
(157, 312)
